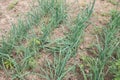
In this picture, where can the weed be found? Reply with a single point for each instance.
(114, 2)
(12, 5)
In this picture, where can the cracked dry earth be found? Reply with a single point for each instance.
(100, 17)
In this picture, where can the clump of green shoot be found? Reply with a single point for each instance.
(12, 4)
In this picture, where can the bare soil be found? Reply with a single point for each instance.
(100, 17)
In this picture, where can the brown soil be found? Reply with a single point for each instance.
(10, 16)
(100, 17)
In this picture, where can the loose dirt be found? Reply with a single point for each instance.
(100, 17)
